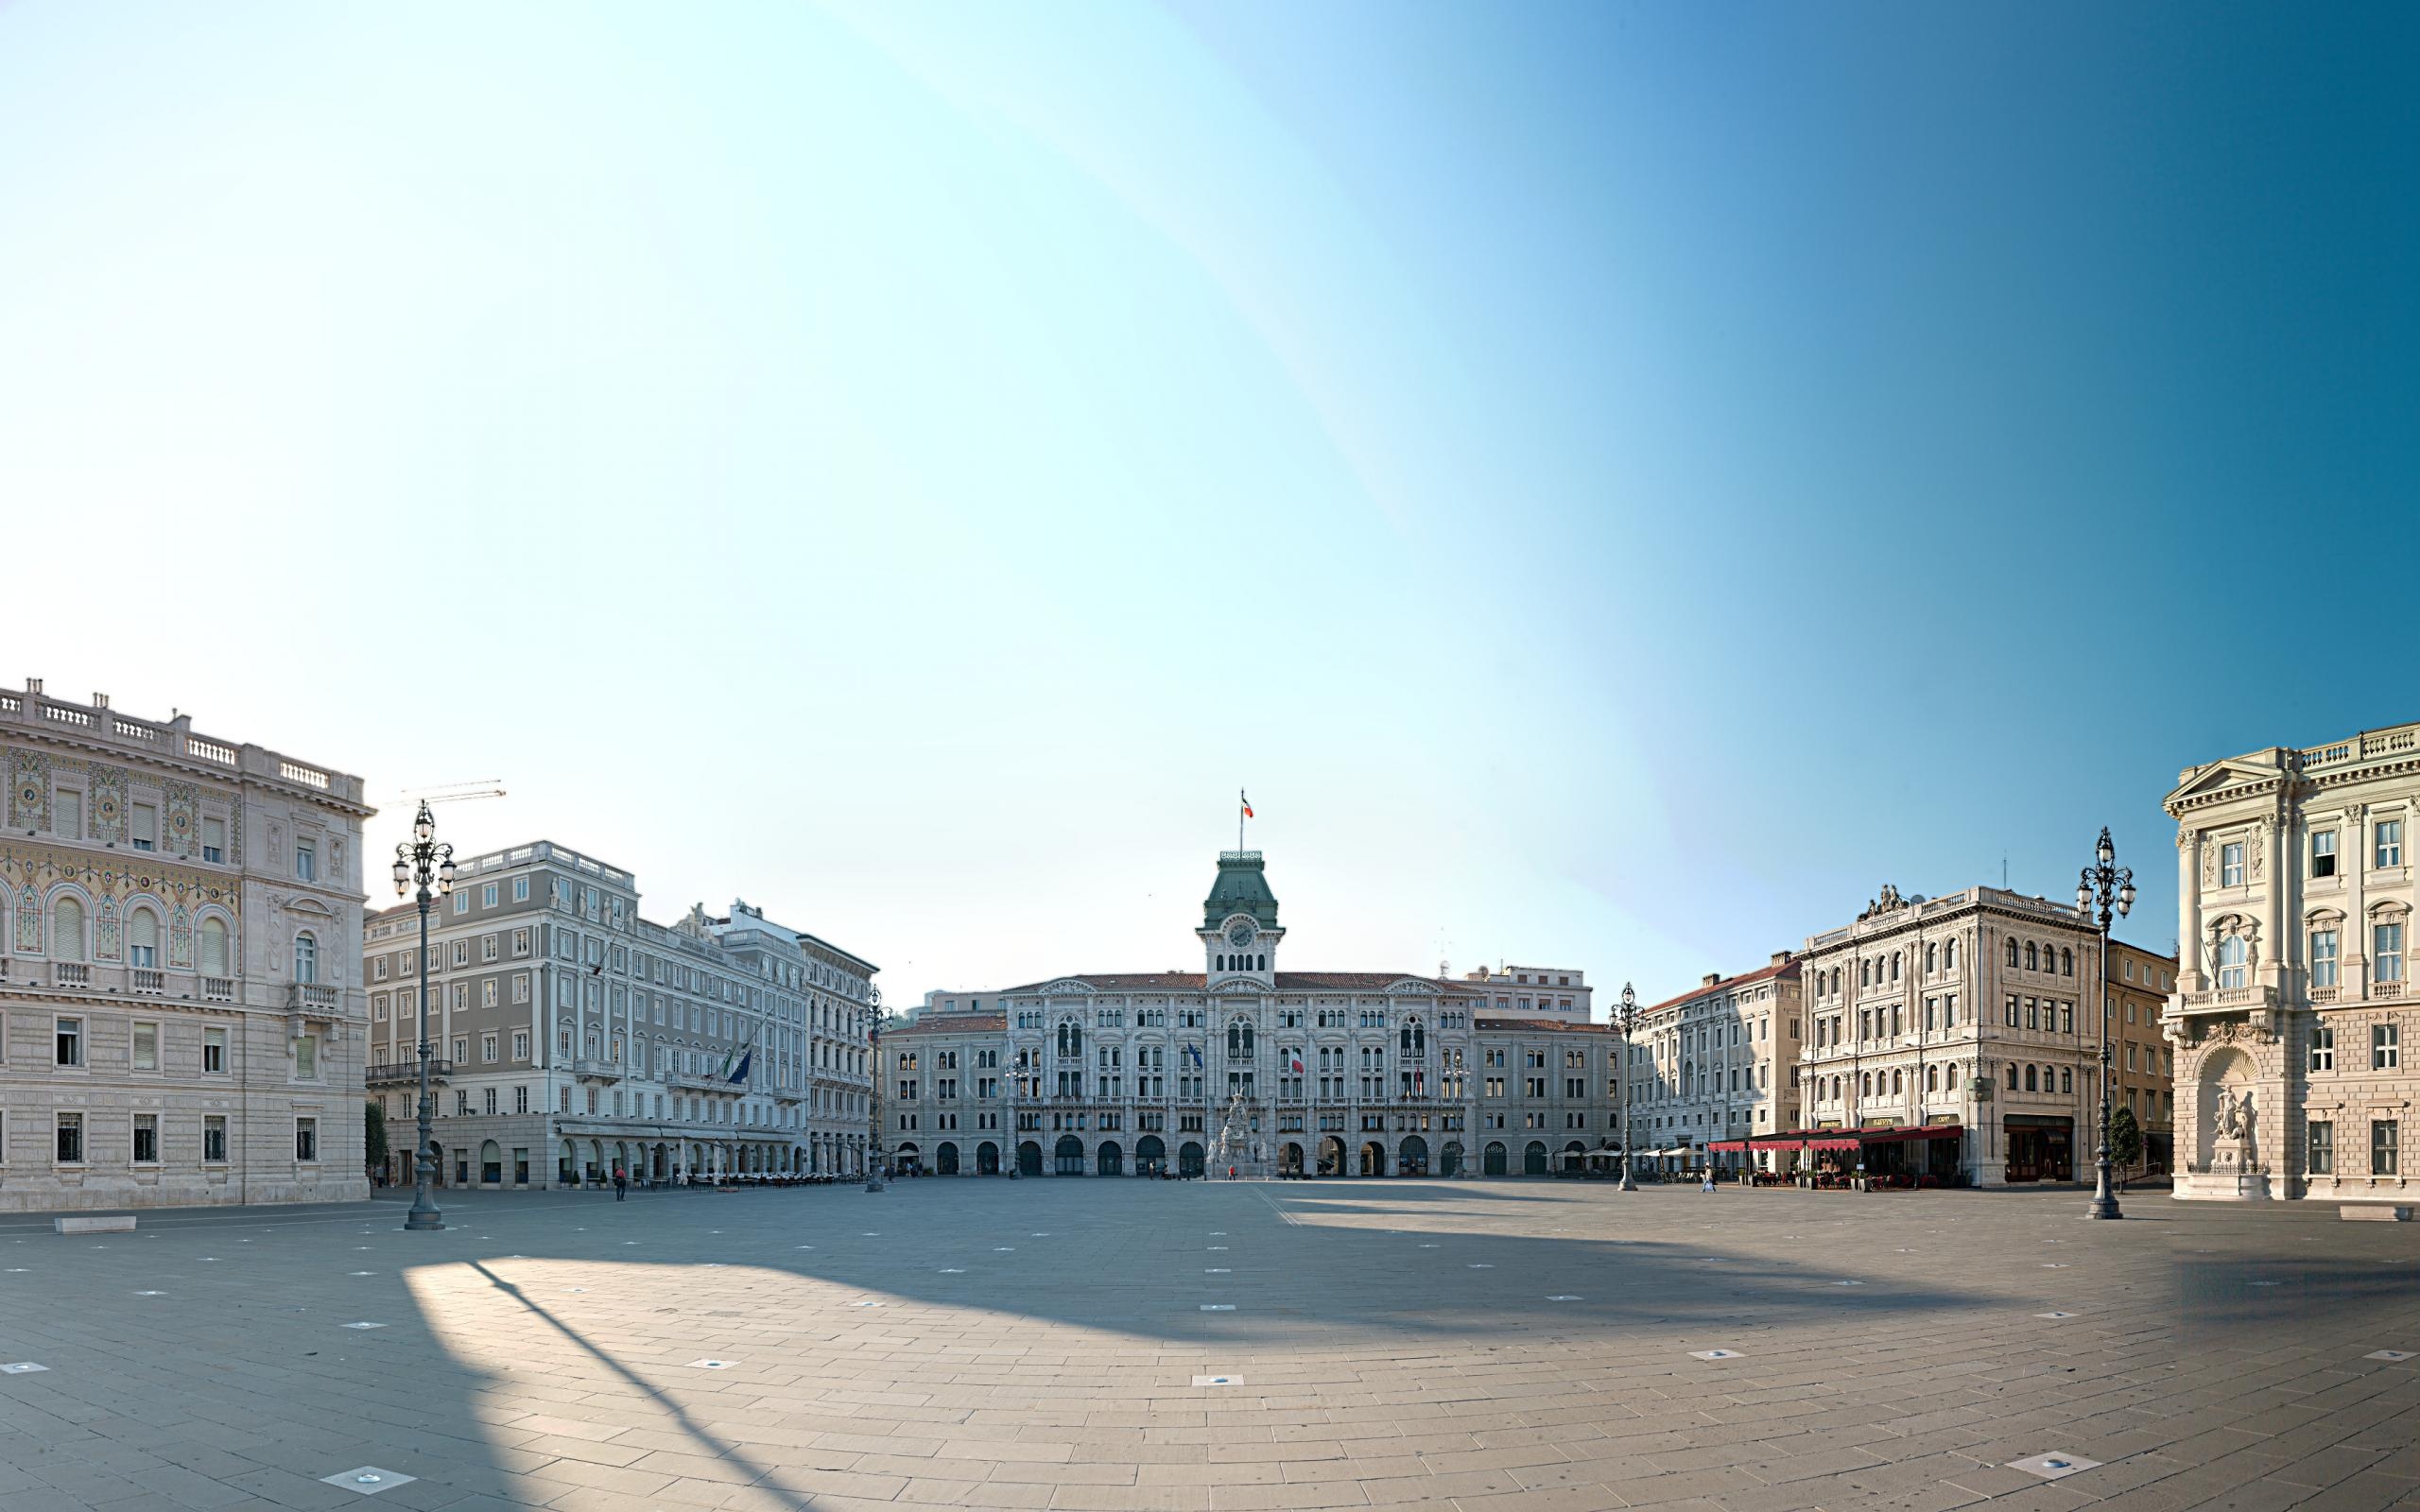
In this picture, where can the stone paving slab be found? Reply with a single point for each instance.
(1524, 1344)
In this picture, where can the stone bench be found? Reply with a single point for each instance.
(94, 1226)
(2373, 1212)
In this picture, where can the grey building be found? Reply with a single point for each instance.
(572, 1038)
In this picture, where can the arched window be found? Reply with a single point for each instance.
(1932, 1079)
(1864, 973)
(306, 957)
(1949, 956)
(67, 929)
(1932, 959)
(1835, 1089)
(1894, 966)
(142, 939)
(214, 947)
(1263, 963)
(2235, 958)
(2032, 956)
(1865, 1084)
(2066, 1079)
(2030, 1080)
(2012, 1075)
(2066, 962)
(1895, 1086)
(2012, 950)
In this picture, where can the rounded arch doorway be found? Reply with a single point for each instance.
(1450, 1163)
(945, 1158)
(1150, 1156)
(1029, 1159)
(1491, 1159)
(1067, 1156)
(1374, 1158)
(1533, 1159)
(1188, 1159)
(1331, 1156)
(987, 1159)
(1413, 1160)
(1289, 1160)
(1109, 1159)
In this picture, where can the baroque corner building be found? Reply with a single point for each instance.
(2294, 893)
(176, 912)
(1247, 1065)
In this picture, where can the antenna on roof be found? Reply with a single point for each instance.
(458, 791)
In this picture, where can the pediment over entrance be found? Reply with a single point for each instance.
(2218, 778)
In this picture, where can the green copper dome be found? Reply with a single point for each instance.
(1242, 887)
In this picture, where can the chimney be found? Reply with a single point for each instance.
(1781, 958)
(1711, 978)
(100, 700)
(33, 685)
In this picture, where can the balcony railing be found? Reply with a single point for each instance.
(218, 989)
(390, 1072)
(2230, 999)
(148, 981)
(65, 974)
(311, 997)
(588, 1070)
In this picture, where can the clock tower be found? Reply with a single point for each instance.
(1239, 930)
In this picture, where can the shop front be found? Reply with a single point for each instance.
(2040, 1148)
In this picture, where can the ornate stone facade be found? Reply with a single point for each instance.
(175, 1027)
(1338, 1073)
(2292, 1012)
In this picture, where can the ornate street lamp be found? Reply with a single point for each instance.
(874, 1105)
(2104, 884)
(1624, 1020)
(421, 860)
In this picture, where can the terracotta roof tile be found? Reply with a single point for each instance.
(950, 1023)
(1786, 969)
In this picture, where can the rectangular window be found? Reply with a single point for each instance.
(2386, 1047)
(2011, 1010)
(146, 1138)
(307, 860)
(2323, 853)
(2323, 1148)
(214, 841)
(214, 1052)
(487, 896)
(2323, 1049)
(69, 822)
(71, 1042)
(2389, 838)
(306, 1058)
(521, 1044)
(146, 827)
(306, 1139)
(71, 1139)
(2386, 955)
(461, 903)
(2322, 957)
(520, 889)
(147, 1047)
(2386, 1139)
(213, 1139)
(2231, 864)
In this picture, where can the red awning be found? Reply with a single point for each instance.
(1900, 1136)
(1727, 1145)
(1831, 1142)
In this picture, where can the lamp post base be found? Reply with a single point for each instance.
(873, 1183)
(2104, 1200)
(423, 1221)
(1628, 1185)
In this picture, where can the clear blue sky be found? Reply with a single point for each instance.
(1617, 484)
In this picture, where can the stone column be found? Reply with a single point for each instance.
(2276, 836)
(2189, 976)
(2353, 949)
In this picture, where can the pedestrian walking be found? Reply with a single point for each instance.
(621, 1184)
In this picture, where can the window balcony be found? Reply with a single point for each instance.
(588, 1070)
(315, 999)
(404, 1072)
(150, 982)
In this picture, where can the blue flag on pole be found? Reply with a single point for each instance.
(740, 1074)
(1195, 1053)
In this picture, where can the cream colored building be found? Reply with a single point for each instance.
(1956, 1036)
(177, 913)
(1338, 1073)
(2293, 1009)
(2142, 1062)
(1717, 1065)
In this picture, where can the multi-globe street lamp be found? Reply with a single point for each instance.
(1624, 1020)
(422, 859)
(2104, 884)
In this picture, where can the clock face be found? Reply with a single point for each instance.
(1239, 933)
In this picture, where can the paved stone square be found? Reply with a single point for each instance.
(1069, 1344)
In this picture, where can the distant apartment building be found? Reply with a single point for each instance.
(2142, 1062)
(1716, 1066)
(174, 911)
(1524, 991)
(572, 1038)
